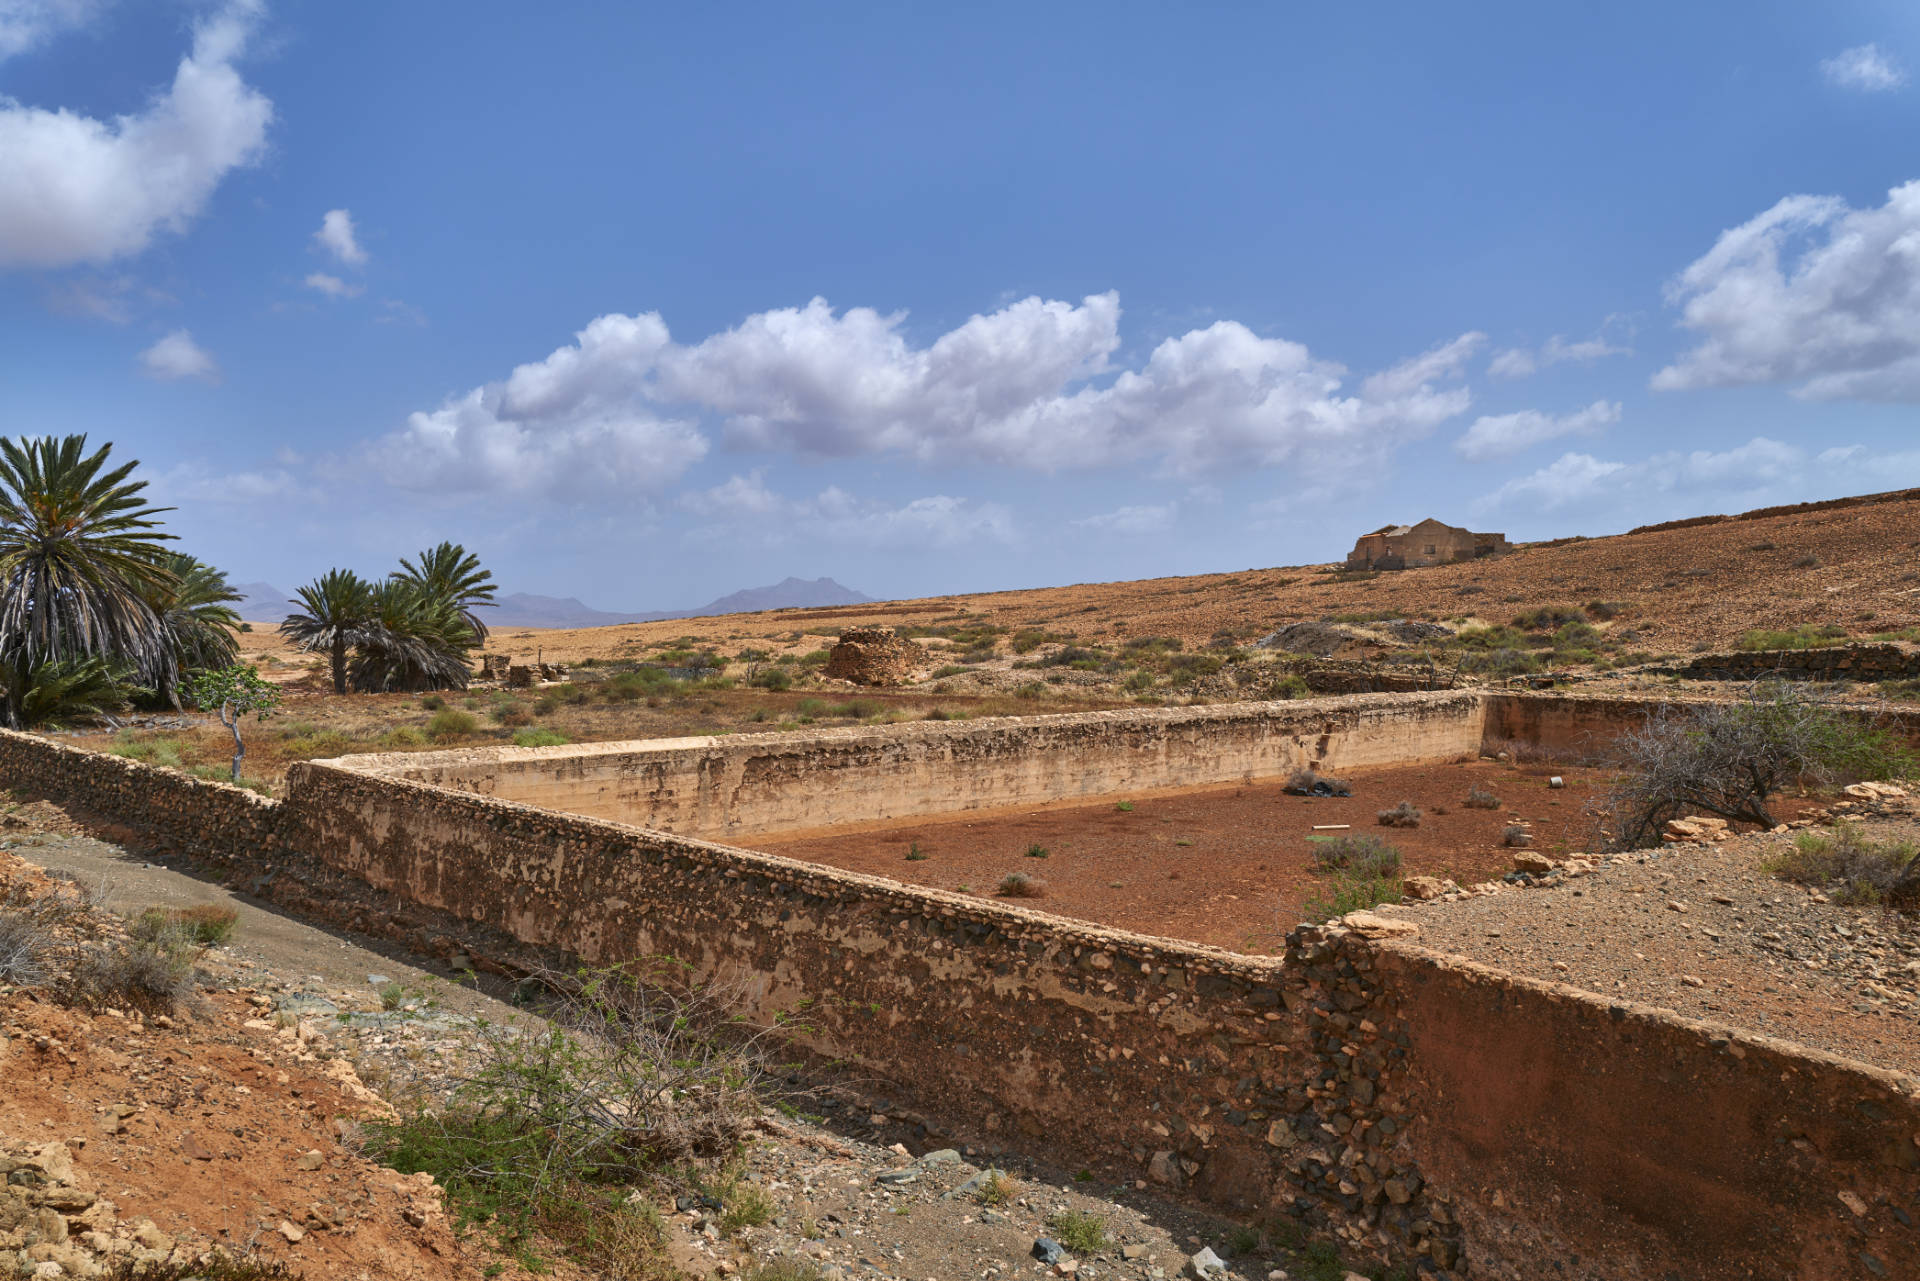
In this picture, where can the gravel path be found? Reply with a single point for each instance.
(1702, 930)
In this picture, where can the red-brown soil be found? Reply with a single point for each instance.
(1228, 866)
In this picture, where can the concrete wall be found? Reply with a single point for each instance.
(742, 785)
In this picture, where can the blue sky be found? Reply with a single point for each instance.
(648, 303)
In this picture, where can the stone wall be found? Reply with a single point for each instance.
(1418, 1106)
(1894, 660)
(741, 785)
(178, 810)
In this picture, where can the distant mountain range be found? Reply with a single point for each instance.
(521, 609)
(265, 603)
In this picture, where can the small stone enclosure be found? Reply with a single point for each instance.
(1421, 1108)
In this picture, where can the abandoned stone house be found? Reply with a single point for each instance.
(1427, 543)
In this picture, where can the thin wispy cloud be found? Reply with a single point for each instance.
(1865, 68)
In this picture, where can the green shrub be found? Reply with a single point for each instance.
(1548, 618)
(950, 669)
(1852, 868)
(510, 713)
(539, 738)
(1036, 850)
(628, 1077)
(773, 678)
(1359, 854)
(433, 702)
(154, 751)
(1078, 1231)
(404, 736)
(449, 724)
(205, 923)
(816, 658)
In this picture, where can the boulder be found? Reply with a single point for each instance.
(1423, 887)
(1532, 863)
(1369, 926)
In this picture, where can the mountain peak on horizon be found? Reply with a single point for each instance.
(526, 609)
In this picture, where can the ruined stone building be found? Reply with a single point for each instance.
(1428, 543)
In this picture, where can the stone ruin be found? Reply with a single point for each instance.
(501, 669)
(874, 656)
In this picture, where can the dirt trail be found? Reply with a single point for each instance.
(300, 954)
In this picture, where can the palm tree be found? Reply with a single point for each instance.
(414, 639)
(452, 573)
(199, 623)
(80, 550)
(338, 605)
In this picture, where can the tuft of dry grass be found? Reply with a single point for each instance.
(1020, 885)
(1405, 814)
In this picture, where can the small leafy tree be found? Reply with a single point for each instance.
(234, 692)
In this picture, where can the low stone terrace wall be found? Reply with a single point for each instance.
(742, 785)
(1894, 660)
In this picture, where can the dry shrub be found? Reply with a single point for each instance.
(1728, 759)
(632, 1075)
(153, 976)
(1405, 814)
(1020, 885)
(1516, 837)
(1480, 798)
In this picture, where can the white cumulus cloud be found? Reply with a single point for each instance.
(331, 286)
(1811, 291)
(74, 189)
(1500, 435)
(336, 236)
(177, 356)
(1031, 385)
(1863, 67)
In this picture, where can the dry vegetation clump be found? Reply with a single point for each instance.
(1360, 871)
(631, 1079)
(1480, 798)
(1020, 885)
(54, 938)
(1853, 868)
(1305, 782)
(1729, 759)
(1405, 814)
(1516, 837)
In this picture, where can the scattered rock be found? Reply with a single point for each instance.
(1205, 1266)
(1369, 926)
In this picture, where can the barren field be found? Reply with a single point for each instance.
(1852, 567)
(1230, 866)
